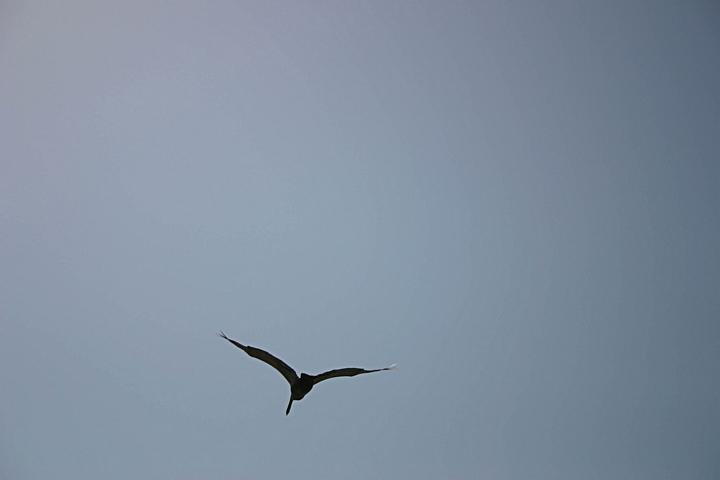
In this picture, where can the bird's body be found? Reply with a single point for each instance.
(302, 386)
(299, 385)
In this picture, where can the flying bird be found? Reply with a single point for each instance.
(299, 386)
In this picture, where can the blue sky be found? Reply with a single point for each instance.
(517, 202)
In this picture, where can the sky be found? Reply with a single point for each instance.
(516, 202)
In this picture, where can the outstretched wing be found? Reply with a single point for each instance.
(346, 372)
(282, 367)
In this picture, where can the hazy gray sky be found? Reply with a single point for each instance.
(518, 202)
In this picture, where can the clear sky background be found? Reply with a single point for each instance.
(517, 202)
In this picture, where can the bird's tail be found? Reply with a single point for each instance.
(289, 405)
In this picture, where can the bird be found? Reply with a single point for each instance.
(299, 386)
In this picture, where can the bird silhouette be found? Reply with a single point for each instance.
(299, 386)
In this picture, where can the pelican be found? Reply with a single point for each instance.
(299, 386)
